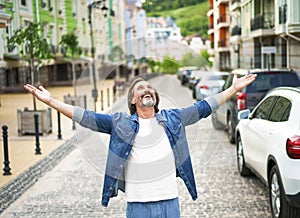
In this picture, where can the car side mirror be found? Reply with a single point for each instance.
(244, 114)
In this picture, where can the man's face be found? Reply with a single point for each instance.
(144, 95)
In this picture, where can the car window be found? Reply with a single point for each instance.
(263, 110)
(279, 109)
(267, 81)
(228, 81)
(286, 114)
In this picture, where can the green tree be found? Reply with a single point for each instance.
(190, 59)
(155, 66)
(33, 47)
(206, 56)
(169, 65)
(70, 43)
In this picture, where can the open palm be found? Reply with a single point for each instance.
(40, 93)
(240, 83)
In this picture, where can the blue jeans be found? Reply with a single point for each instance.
(156, 209)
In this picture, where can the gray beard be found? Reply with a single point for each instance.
(149, 103)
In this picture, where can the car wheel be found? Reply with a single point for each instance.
(243, 170)
(216, 124)
(230, 129)
(279, 205)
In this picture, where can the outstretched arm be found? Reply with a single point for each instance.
(44, 96)
(237, 85)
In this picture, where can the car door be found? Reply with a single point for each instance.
(256, 134)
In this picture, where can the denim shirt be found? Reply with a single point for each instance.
(123, 129)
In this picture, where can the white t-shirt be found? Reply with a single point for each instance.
(150, 173)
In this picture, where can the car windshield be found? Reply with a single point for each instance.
(265, 82)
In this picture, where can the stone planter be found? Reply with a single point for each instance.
(26, 121)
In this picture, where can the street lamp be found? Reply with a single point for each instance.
(91, 5)
(237, 50)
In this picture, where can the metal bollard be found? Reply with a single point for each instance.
(73, 123)
(84, 101)
(5, 146)
(37, 134)
(59, 136)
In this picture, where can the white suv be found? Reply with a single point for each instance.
(268, 144)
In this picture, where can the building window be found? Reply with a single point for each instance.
(23, 2)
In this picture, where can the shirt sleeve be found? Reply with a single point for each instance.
(91, 120)
(199, 110)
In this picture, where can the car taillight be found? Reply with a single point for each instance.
(204, 87)
(293, 147)
(241, 101)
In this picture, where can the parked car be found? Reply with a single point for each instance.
(210, 84)
(184, 74)
(226, 115)
(195, 77)
(268, 144)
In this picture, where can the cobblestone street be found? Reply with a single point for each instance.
(73, 187)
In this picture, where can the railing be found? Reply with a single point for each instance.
(282, 13)
(221, 43)
(236, 30)
(221, 19)
(265, 21)
(235, 1)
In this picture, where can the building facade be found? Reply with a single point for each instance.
(101, 28)
(254, 34)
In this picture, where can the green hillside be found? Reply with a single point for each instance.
(191, 19)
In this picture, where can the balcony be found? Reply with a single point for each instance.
(265, 21)
(263, 25)
(210, 29)
(222, 2)
(235, 4)
(223, 46)
(236, 31)
(223, 21)
(282, 14)
(222, 43)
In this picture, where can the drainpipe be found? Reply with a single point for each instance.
(37, 11)
(287, 51)
(261, 55)
(287, 31)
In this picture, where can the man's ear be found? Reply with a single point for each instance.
(133, 100)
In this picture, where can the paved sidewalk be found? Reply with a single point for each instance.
(26, 166)
(22, 148)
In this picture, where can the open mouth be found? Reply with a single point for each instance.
(147, 97)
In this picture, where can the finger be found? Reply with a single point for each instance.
(41, 88)
(29, 88)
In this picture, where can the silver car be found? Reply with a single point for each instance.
(210, 84)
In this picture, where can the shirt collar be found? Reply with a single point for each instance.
(134, 117)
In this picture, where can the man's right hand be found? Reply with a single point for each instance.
(40, 93)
